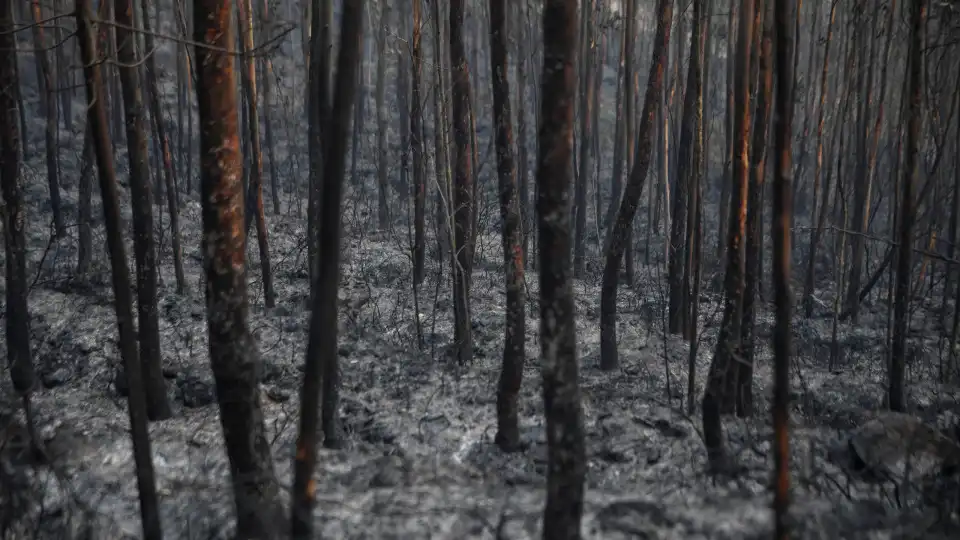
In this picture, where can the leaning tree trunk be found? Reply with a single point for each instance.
(321, 366)
(254, 199)
(234, 354)
(144, 244)
(620, 234)
(136, 400)
(566, 448)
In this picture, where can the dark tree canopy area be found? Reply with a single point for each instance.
(551, 269)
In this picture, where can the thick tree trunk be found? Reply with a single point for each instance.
(234, 354)
(566, 449)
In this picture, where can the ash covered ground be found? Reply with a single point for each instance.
(420, 460)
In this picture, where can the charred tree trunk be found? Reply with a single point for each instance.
(49, 111)
(13, 214)
(753, 271)
(815, 231)
(383, 208)
(720, 396)
(620, 234)
(234, 354)
(783, 297)
(586, 101)
(144, 245)
(914, 95)
(566, 448)
(463, 186)
(511, 374)
(322, 361)
(319, 109)
(254, 198)
(417, 146)
(137, 402)
(691, 123)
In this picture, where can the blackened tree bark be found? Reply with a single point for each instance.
(463, 186)
(819, 197)
(758, 169)
(721, 380)
(679, 248)
(319, 109)
(913, 95)
(13, 212)
(85, 206)
(523, 172)
(383, 207)
(619, 236)
(566, 449)
(417, 146)
(144, 245)
(136, 400)
(233, 352)
(321, 362)
(511, 374)
(169, 179)
(49, 110)
(254, 199)
(583, 165)
(783, 297)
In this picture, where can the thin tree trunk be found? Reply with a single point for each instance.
(815, 232)
(322, 365)
(383, 208)
(619, 235)
(692, 122)
(319, 109)
(783, 297)
(144, 244)
(168, 170)
(511, 374)
(417, 143)
(753, 271)
(913, 91)
(463, 204)
(49, 110)
(254, 198)
(586, 102)
(136, 400)
(267, 124)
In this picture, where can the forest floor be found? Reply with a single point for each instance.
(420, 460)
